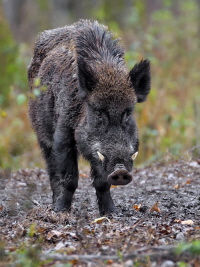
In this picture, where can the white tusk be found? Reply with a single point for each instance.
(134, 155)
(101, 157)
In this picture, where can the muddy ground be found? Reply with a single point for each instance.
(157, 211)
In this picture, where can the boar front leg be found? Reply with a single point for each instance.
(104, 199)
(63, 168)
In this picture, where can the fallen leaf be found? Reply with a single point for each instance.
(114, 186)
(188, 222)
(83, 175)
(109, 262)
(155, 207)
(41, 230)
(101, 219)
(72, 235)
(137, 207)
(74, 262)
(177, 186)
(11, 249)
(177, 221)
(54, 234)
(165, 229)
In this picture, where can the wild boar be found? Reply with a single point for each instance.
(87, 108)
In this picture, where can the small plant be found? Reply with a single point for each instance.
(192, 247)
(27, 256)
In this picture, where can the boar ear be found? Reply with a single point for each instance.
(141, 79)
(87, 77)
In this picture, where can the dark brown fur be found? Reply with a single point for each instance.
(85, 108)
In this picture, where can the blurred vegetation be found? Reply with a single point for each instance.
(168, 35)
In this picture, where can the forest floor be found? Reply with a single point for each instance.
(157, 224)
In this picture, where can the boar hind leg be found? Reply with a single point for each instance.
(63, 169)
(104, 199)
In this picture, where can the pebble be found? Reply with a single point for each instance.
(128, 263)
(180, 236)
(168, 264)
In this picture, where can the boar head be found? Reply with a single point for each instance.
(107, 134)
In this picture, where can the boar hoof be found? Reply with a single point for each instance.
(108, 210)
(61, 205)
(120, 177)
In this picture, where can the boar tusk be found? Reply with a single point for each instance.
(134, 155)
(101, 157)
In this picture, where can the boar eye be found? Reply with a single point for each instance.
(99, 116)
(125, 117)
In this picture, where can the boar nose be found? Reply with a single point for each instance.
(120, 176)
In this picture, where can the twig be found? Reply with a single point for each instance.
(35, 202)
(191, 149)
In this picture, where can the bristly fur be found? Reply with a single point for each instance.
(86, 108)
(96, 43)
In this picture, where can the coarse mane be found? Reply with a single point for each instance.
(94, 42)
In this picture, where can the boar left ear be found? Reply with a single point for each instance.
(141, 79)
(86, 76)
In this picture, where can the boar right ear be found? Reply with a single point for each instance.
(86, 76)
(141, 79)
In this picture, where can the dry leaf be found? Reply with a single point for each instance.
(53, 234)
(74, 262)
(177, 186)
(56, 233)
(83, 175)
(114, 186)
(137, 207)
(165, 229)
(109, 261)
(155, 207)
(101, 219)
(11, 249)
(188, 222)
(41, 230)
(177, 221)
(72, 235)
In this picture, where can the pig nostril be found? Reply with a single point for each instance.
(126, 177)
(115, 177)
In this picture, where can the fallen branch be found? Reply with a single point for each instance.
(154, 253)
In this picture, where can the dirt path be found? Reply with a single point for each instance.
(160, 208)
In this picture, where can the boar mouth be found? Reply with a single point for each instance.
(120, 177)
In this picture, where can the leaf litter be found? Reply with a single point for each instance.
(153, 217)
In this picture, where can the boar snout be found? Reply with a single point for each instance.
(120, 176)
